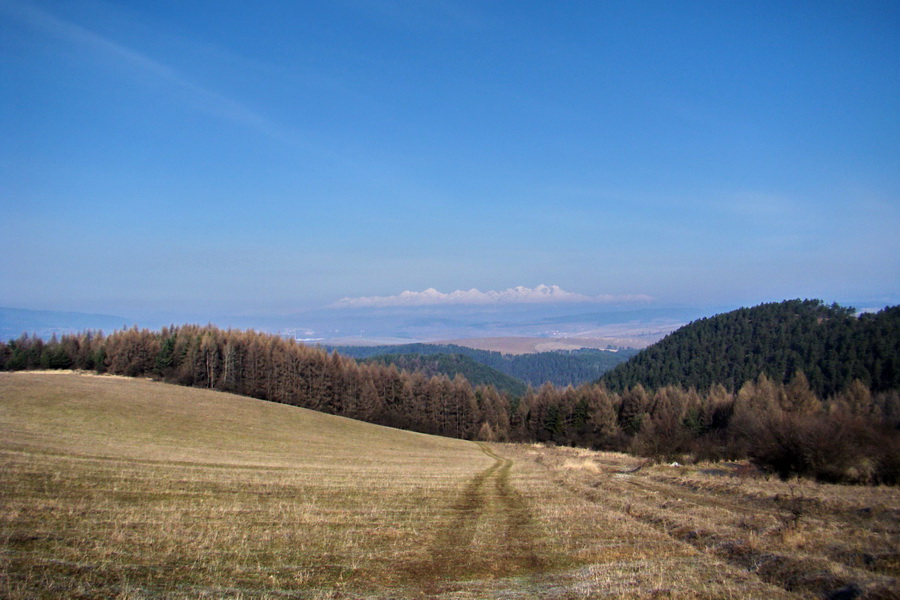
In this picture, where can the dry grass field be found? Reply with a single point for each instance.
(118, 488)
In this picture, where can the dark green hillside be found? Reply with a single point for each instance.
(828, 343)
(566, 367)
(560, 368)
(452, 365)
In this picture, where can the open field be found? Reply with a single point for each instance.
(119, 488)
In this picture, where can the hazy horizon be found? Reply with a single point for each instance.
(597, 323)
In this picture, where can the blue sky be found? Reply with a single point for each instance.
(225, 157)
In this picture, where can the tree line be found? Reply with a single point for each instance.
(852, 437)
(269, 367)
(787, 428)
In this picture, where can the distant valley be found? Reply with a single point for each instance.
(532, 345)
(508, 372)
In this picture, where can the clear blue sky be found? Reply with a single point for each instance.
(266, 157)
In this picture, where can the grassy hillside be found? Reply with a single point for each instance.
(118, 417)
(124, 488)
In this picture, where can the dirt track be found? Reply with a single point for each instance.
(491, 509)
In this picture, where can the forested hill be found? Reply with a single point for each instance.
(560, 368)
(451, 365)
(829, 344)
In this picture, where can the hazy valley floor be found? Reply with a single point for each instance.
(117, 488)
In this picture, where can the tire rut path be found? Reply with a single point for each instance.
(489, 532)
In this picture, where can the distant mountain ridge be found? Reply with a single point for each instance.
(561, 368)
(828, 343)
(517, 295)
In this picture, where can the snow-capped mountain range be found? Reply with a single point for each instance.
(542, 294)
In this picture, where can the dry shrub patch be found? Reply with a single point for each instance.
(804, 537)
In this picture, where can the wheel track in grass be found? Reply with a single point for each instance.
(670, 507)
(489, 532)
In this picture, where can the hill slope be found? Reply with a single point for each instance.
(117, 417)
(126, 488)
(828, 343)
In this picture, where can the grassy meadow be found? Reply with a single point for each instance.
(123, 488)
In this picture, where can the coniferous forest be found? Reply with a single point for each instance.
(829, 344)
(452, 365)
(842, 424)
